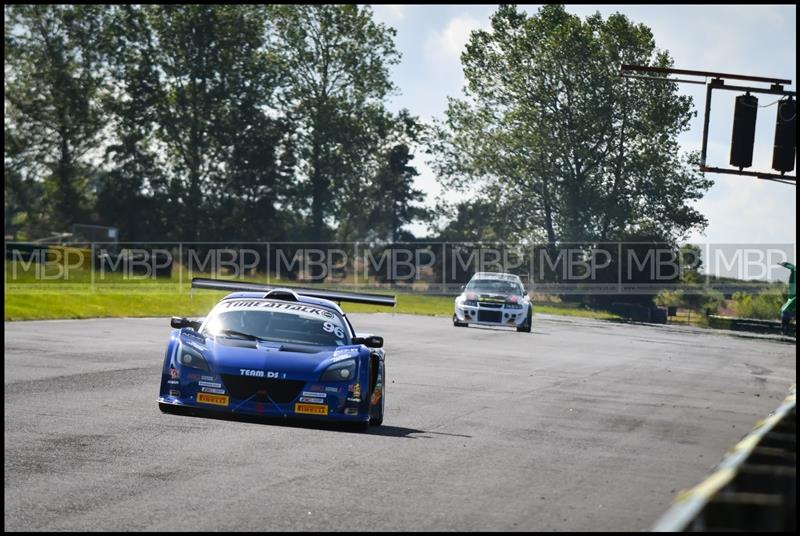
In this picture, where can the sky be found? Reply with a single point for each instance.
(752, 40)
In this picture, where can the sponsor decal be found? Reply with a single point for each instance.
(212, 390)
(353, 399)
(174, 392)
(343, 353)
(328, 327)
(311, 400)
(215, 400)
(376, 396)
(311, 409)
(306, 393)
(194, 377)
(209, 384)
(206, 378)
(316, 388)
(284, 306)
(332, 389)
(261, 373)
(350, 411)
(173, 373)
(173, 382)
(357, 390)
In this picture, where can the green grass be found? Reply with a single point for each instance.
(42, 305)
(85, 303)
(82, 296)
(568, 310)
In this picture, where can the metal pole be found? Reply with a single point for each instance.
(705, 123)
(718, 82)
(646, 69)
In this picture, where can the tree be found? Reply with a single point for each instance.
(394, 194)
(133, 190)
(53, 85)
(550, 129)
(690, 258)
(24, 192)
(206, 77)
(198, 145)
(383, 200)
(335, 60)
(471, 221)
(205, 121)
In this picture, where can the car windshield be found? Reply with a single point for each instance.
(279, 322)
(495, 286)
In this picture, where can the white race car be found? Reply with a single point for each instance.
(494, 299)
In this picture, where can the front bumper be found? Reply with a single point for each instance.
(322, 401)
(491, 316)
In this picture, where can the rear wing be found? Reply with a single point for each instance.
(333, 295)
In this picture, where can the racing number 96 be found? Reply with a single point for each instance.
(330, 328)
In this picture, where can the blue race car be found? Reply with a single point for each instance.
(277, 352)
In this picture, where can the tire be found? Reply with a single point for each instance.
(376, 421)
(167, 408)
(526, 327)
(458, 324)
(361, 426)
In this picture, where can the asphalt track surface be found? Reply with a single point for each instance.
(580, 425)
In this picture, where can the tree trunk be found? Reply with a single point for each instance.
(618, 170)
(67, 197)
(317, 191)
(317, 200)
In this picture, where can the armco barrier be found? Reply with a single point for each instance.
(752, 489)
(744, 324)
(70, 256)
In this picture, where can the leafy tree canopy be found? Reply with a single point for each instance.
(549, 129)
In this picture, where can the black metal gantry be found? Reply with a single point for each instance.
(718, 82)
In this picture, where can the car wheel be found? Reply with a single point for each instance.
(167, 408)
(458, 324)
(526, 327)
(377, 421)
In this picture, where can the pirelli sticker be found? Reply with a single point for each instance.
(215, 400)
(311, 409)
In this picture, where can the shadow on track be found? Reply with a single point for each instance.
(383, 430)
(504, 329)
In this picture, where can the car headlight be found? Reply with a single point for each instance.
(340, 372)
(190, 357)
(513, 306)
(471, 303)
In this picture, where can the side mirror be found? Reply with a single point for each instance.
(463, 288)
(373, 341)
(178, 322)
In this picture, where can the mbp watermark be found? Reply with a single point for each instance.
(420, 266)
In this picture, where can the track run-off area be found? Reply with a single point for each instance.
(579, 425)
